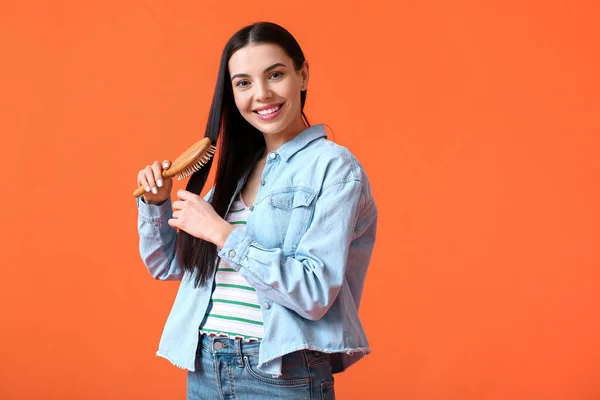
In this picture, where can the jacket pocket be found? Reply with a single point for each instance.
(289, 200)
(292, 211)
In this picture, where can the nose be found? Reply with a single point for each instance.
(263, 91)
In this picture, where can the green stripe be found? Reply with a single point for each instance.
(238, 223)
(227, 270)
(230, 333)
(235, 319)
(232, 211)
(239, 303)
(229, 285)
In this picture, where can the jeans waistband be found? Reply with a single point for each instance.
(222, 345)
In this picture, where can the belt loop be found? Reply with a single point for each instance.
(238, 351)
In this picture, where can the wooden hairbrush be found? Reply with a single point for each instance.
(190, 161)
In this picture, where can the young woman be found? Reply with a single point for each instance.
(273, 260)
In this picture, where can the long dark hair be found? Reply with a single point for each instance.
(239, 142)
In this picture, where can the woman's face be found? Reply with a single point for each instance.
(266, 88)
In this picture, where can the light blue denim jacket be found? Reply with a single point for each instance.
(306, 249)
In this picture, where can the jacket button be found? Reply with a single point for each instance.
(272, 156)
(231, 253)
(266, 305)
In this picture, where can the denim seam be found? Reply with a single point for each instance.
(231, 381)
(290, 189)
(358, 212)
(217, 375)
(339, 182)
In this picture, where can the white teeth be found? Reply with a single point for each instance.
(269, 111)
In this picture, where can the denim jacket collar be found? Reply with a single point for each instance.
(288, 149)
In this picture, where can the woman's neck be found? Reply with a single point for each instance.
(275, 141)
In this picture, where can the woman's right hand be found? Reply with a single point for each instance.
(158, 189)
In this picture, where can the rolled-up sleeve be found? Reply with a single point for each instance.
(158, 239)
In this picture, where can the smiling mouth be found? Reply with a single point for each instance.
(269, 111)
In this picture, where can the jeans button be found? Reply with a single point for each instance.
(218, 345)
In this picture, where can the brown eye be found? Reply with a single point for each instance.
(276, 75)
(242, 84)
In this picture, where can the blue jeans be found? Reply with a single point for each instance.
(226, 369)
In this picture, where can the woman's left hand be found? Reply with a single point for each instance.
(195, 216)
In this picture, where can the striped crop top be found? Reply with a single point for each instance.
(234, 310)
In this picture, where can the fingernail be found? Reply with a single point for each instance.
(154, 190)
(166, 165)
(147, 188)
(159, 182)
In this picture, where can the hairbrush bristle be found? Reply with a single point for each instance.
(198, 164)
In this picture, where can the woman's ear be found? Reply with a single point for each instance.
(304, 75)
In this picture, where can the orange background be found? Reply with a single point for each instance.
(477, 123)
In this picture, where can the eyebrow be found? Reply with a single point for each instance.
(265, 71)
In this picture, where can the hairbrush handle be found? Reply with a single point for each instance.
(188, 162)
